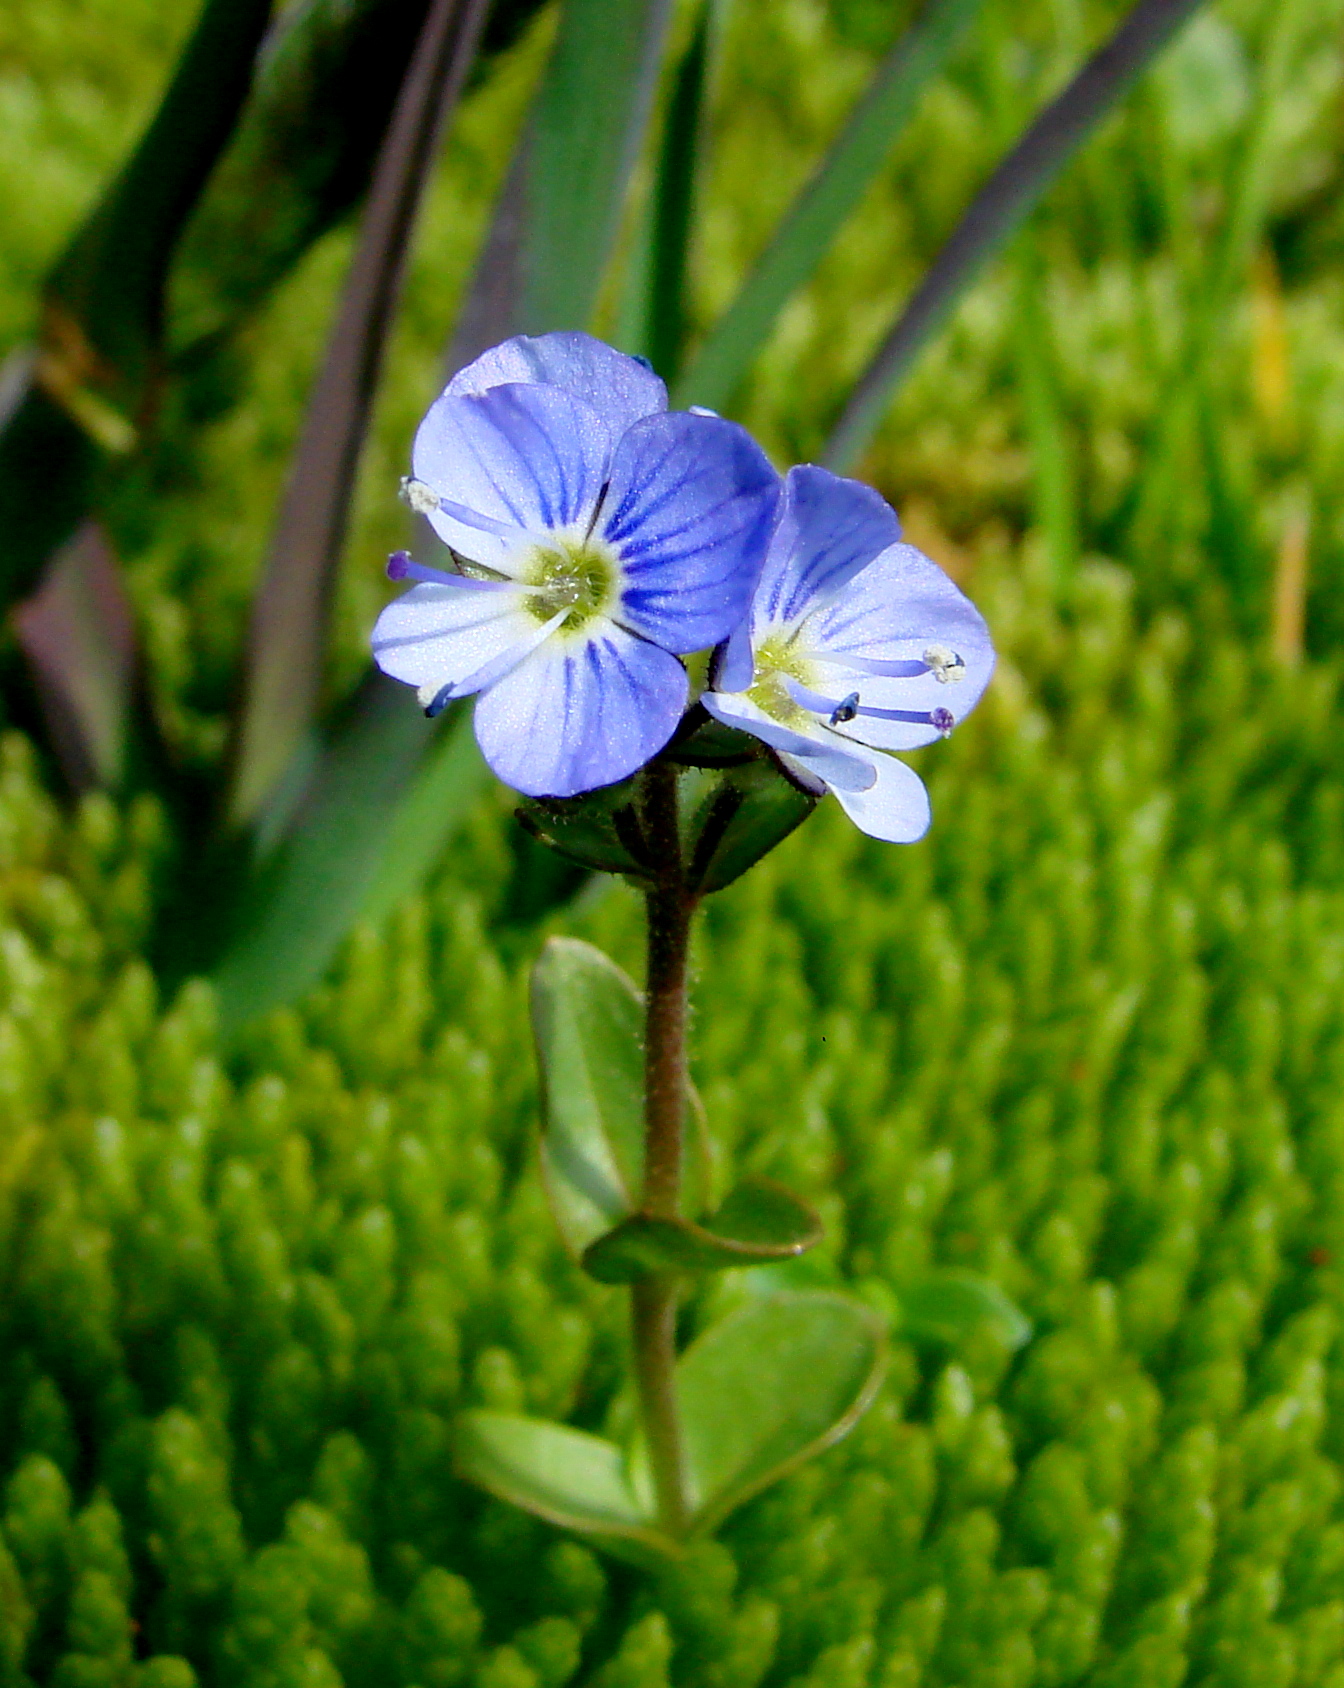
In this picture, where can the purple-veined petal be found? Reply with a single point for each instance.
(827, 529)
(619, 388)
(522, 460)
(687, 510)
(439, 635)
(820, 750)
(584, 710)
(895, 808)
(896, 609)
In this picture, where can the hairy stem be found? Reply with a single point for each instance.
(654, 1300)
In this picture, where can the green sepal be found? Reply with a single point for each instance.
(768, 1388)
(749, 811)
(704, 742)
(588, 1019)
(760, 1222)
(947, 1307)
(577, 1481)
(599, 831)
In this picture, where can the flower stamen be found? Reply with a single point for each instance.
(944, 664)
(421, 497)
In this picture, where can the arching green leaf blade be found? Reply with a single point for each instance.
(817, 215)
(999, 208)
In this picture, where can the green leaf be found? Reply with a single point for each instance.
(588, 1023)
(998, 210)
(387, 793)
(560, 208)
(587, 1018)
(817, 215)
(566, 1476)
(948, 1307)
(750, 810)
(654, 311)
(771, 1386)
(760, 1222)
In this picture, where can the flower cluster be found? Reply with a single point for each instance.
(596, 538)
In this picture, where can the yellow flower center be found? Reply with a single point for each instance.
(776, 661)
(572, 575)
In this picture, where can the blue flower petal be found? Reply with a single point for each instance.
(828, 528)
(618, 387)
(895, 808)
(823, 756)
(897, 608)
(582, 711)
(523, 460)
(441, 635)
(688, 509)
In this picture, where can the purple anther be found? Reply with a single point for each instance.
(845, 711)
(399, 565)
(442, 698)
(943, 719)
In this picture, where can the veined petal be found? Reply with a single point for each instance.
(895, 808)
(439, 635)
(898, 608)
(524, 460)
(619, 388)
(820, 750)
(827, 530)
(687, 510)
(584, 710)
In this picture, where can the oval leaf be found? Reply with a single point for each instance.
(588, 1022)
(766, 1389)
(564, 1475)
(587, 1018)
(760, 1222)
(948, 1307)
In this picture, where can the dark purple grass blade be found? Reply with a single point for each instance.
(78, 636)
(284, 659)
(999, 208)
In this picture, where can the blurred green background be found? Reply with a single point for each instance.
(1087, 1038)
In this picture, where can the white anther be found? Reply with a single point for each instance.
(945, 664)
(701, 410)
(422, 498)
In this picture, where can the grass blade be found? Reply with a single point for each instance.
(289, 617)
(559, 211)
(1000, 207)
(816, 217)
(78, 636)
(80, 402)
(342, 859)
(655, 325)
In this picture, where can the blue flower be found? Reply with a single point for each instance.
(595, 539)
(856, 645)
